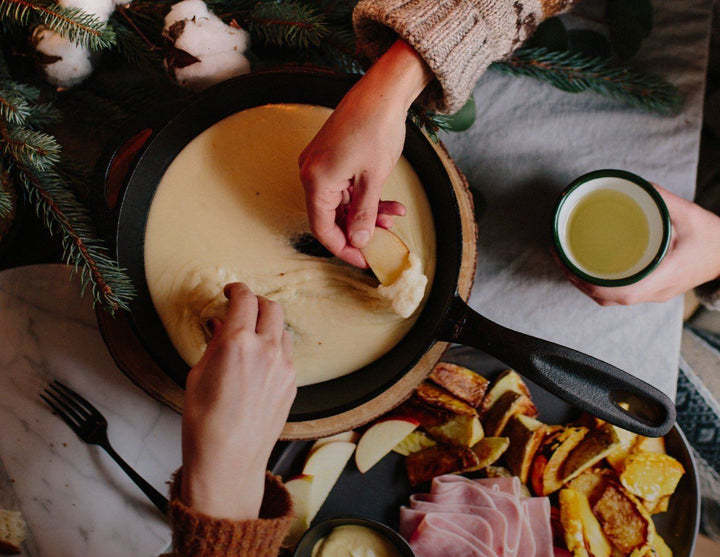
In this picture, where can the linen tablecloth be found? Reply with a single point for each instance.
(529, 141)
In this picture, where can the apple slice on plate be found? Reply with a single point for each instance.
(350, 436)
(382, 438)
(326, 464)
(387, 255)
(300, 489)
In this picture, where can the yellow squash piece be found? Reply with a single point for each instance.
(582, 529)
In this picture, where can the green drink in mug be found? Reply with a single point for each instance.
(611, 228)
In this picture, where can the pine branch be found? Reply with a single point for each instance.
(29, 147)
(575, 73)
(64, 216)
(13, 106)
(75, 24)
(7, 203)
(287, 24)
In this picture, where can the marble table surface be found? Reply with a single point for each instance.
(75, 499)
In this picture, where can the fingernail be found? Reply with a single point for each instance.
(360, 238)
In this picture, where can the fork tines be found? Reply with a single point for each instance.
(66, 403)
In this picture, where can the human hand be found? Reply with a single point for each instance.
(237, 400)
(692, 259)
(345, 166)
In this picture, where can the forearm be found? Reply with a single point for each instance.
(456, 39)
(198, 535)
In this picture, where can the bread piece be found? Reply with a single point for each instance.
(624, 520)
(460, 381)
(12, 532)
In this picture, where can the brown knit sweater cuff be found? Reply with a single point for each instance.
(709, 294)
(458, 39)
(198, 535)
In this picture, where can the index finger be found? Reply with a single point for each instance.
(242, 307)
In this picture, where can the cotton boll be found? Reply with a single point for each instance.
(64, 63)
(212, 69)
(188, 9)
(204, 37)
(101, 8)
(205, 51)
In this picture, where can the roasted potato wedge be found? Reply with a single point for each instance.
(583, 533)
(489, 450)
(432, 395)
(509, 404)
(415, 442)
(595, 446)
(546, 470)
(428, 416)
(463, 431)
(497, 471)
(465, 384)
(649, 445)
(435, 461)
(526, 434)
(651, 476)
(624, 520)
(627, 440)
(507, 381)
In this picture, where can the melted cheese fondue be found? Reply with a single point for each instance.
(228, 208)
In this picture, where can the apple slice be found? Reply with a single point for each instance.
(351, 436)
(380, 439)
(300, 488)
(387, 255)
(326, 464)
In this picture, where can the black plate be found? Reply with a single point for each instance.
(379, 493)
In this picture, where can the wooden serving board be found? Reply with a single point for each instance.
(136, 363)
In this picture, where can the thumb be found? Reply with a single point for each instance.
(362, 212)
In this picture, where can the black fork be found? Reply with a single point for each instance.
(91, 427)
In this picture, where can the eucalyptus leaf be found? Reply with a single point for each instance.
(463, 118)
(629, 22)
(590, 43)
(550, 34)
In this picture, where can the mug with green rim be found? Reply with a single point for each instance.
(611, 227)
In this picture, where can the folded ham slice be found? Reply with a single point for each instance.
(490, 515)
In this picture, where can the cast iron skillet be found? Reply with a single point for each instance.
(581, 380)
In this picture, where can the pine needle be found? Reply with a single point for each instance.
(287, 24)
(7, 203)
(574, 73)
(30, 147)
(64, 216)
(13, 106)
(75, 24)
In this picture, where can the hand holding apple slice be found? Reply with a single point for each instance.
(300, 489)
(387, 255)
(326, 464)
(380, 439)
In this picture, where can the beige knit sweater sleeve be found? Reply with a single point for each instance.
(457, 38)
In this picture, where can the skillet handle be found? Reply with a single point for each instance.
(585, 382)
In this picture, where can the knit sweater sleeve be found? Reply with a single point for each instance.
(458, 39)
(198, 535)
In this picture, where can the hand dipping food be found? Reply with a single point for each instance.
(228, 208)
(352, 540)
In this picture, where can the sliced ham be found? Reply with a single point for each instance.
(485, 517)
(475, 525)
(438, 538)
(537, 513)
(496, 520)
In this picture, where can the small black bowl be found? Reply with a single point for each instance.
(323, 529)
